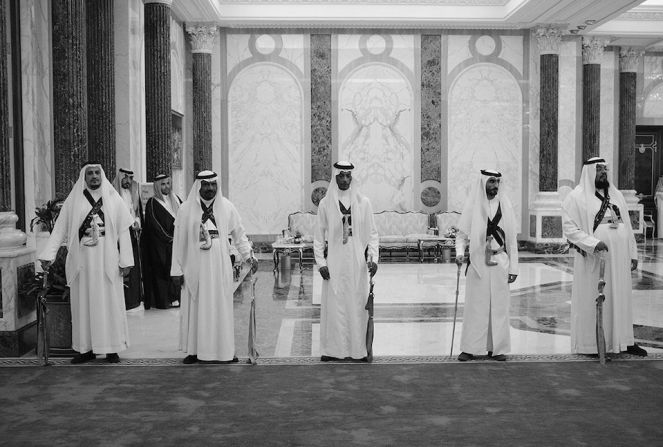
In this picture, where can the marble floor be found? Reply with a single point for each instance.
(414, 305)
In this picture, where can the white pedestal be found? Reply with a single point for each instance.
(636, 211)
(545, 219)
(18, 309)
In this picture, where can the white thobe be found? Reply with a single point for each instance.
(98, 316)
(343, 317)
(617, 308)
(207, 327)
(487, 298)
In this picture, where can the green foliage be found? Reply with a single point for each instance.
(47, 214)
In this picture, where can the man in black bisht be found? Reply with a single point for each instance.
(157, 242)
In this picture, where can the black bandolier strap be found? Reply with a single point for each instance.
(492, 229)
(605, 203)
(208, 213)
(96, 209)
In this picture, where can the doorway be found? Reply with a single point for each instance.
(648, 169)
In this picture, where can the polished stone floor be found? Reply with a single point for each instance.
(414, 306)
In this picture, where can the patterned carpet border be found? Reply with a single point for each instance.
(315, 361)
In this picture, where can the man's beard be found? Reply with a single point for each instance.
(94, 186)
(602, 184)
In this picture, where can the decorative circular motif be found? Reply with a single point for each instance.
(431, 196)
(265, 44)
(485, 46)
(376, 44)
(317, 194)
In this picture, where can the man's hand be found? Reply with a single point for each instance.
(254, 264)
(634, 264)
(512, 278)
(178, 281)
(372, 268)
(324, 272)
(601, 246)
(45, 265)
(460, 259)
(124, 271)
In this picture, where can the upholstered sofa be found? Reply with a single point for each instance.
(401, 230)
(398, 230)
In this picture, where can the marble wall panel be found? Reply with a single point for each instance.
(570, 63)
(403, 47)
(130, 86)
(512, 51)
(292, 50)
(376, 132)
(177, 63)
(485, 130)
(237, 49)
(36, 104)
(609, 123)
(551, 227)
(458, 50)
(653, 70)
(653, 107)
(266, 141)
(347, 50)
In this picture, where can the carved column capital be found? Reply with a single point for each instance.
(629, 59)
(548, 39)
(592, 49)
(202, 37)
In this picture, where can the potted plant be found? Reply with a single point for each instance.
(44, 221)
(58, 310)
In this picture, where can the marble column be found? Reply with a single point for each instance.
(69, 92)
(157, 87)
(5, 161)
(546, 211)
(321, 115)
(629, 61)
(592, 52)
(548, 39)
(101, 84)
(202, 44)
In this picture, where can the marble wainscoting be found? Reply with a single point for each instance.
(378, 116)
(268, 139)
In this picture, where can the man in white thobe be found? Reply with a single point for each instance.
(489, 221)
(596, 222)
(201, 265)
(93, 221)
(345, 222)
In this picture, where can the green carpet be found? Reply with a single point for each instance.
(557, 404)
